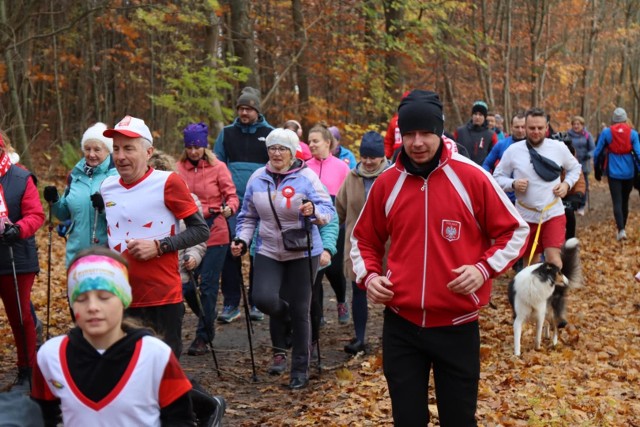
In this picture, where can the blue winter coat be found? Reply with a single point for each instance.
(75, 204)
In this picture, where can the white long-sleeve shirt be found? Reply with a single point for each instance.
(516, 164)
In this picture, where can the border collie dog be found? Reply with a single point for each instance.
(538, 292)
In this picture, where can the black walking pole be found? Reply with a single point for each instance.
(196, 289)
(49, 273)
(247, 316)
(17, 289)
(307, 227)
(245, 301)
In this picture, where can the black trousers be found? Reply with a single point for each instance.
(410, 352)
(166, 321)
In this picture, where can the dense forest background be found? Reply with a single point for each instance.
(65, 64)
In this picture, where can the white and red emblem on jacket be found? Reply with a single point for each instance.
(450, 229)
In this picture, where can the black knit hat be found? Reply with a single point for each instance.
(480, 107)
(421, 110)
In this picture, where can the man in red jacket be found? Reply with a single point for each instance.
(452, 229)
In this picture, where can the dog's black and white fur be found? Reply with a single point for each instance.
(541, 286)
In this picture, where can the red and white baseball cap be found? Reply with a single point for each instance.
(130, 127)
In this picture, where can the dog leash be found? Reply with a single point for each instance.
(535, 240)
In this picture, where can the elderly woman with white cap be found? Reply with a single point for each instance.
(88, 227)
(286, 202)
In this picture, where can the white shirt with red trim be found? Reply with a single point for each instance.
(137, 398)
(148, 209)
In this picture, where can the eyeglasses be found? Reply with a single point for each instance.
(278, 148)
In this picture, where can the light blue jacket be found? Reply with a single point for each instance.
(75, 204)
(256, 211)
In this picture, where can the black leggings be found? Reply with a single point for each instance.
(282, 289)
(620, 190)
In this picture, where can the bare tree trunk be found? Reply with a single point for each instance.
(20, 142)
(242, 34)
(506, 88)
(212, 48)
(56, 78)
(393, 17)
(302, 78)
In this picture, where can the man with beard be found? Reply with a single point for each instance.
(532, 168)
(517, 134)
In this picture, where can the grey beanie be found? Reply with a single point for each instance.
(249, 97)
(619, 115)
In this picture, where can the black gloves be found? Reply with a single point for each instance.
(241, 242)
(51, 194)
(597, 171)
(11, 234)
(97, 202)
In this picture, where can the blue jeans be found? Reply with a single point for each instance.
(209, 273)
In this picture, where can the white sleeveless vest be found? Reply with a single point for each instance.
(132, 402)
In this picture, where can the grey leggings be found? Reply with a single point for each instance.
(282, 289)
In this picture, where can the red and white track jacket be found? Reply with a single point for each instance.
(457, 216)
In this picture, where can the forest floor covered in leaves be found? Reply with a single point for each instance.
(591, 378)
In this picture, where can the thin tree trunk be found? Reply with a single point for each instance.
(506, 88)
(242, 34)
(301, 76)
(212, 49)
(20, 141)
(56, 79)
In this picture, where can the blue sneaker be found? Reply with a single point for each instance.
(229, 314)
(255, 314)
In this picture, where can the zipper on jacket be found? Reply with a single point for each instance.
(424, 255)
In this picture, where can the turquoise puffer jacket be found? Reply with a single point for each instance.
(75, 204)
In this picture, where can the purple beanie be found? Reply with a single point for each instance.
(195, 134)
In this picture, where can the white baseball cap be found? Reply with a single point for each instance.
(130, 127)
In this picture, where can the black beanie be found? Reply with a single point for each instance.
(421, 110)
(480, 107)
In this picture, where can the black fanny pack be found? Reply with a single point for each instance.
(546, 168)
(293, 239)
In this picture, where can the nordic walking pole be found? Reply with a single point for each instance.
(307, 226)
(247, 317)
(49, 273)
(245, 301)
(17, 289)
(196, 289)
